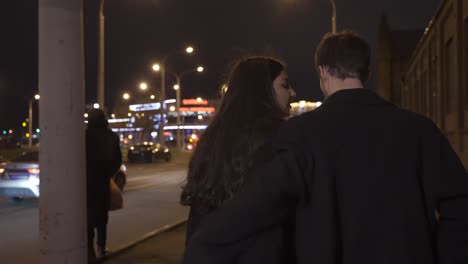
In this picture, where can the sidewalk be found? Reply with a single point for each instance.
(164, 248)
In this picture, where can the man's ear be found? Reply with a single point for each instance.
(323, 72)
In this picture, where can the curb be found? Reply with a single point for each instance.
(142, 239)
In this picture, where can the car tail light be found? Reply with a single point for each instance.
(34, 171)
(34, 179)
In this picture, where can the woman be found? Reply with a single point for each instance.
(255, 104)
(103, 160)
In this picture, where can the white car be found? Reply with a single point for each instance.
(19, 178)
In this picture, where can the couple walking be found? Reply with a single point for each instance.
(356, 181)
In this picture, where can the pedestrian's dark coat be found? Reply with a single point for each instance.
(369, 177)
(103, 160)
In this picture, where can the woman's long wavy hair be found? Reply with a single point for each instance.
(246, 119)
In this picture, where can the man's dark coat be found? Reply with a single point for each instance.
(367, 179)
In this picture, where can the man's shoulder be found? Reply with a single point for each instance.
(415, 119)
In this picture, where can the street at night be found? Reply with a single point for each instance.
(151, 202)
(247, 131)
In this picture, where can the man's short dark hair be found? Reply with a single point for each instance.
(346, 55)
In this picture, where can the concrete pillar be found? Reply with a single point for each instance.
(62, 204)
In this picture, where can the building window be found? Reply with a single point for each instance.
(413, 94)
(435, 99)
(425, 91)
(418, 95)
(465, 64)
(449, 81)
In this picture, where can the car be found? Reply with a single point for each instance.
(19, 178)
(148, 152)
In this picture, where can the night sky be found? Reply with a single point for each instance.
(138, 32)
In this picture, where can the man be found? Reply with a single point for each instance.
(103, 160)
(366, 179)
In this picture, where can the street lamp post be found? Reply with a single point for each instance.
(162, 68)
(100, 83)
(178, 135)
(30, 129)
(177, 88)
(333, 19)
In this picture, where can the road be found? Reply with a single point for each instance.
(151, 201)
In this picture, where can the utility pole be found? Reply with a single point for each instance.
(162, 111)
(179, 134)
(62, 203)
(101, 67)
(30, 123)
(333, 19)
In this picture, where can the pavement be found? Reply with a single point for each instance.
(165, 247)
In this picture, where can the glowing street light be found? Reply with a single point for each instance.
(156, 67)
(143, 86)
(96, 106)
(199, 99)
(200, 69)
(126, 96)
(30, 128)
(152, 97)
(224, 88)
(189, 50)
(176, 87)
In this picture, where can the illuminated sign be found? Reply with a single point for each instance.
(121, 120)
(149, 106)
(127, 129)
(186, 127)
(144, 107)
(197, 109)
(197, 101)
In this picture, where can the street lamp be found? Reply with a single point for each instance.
(143, 86)
(36, 97)
(177, 87)
(160, 67)
(126, 96)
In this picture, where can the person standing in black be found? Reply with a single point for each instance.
(256, 103)
(368, 179)
(103, 160)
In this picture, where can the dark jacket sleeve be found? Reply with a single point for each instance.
(263, 202)
(446, 183)
(192, 223)
(117, 160)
